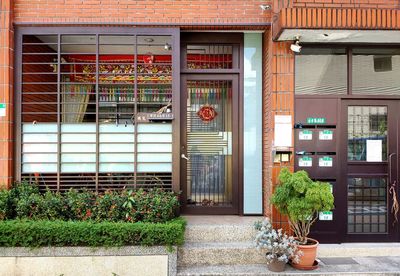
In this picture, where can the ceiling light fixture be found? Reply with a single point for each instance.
(265, 7)
(148, 39)
(167, 46)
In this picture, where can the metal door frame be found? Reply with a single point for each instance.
(237, 182)
(371, 169)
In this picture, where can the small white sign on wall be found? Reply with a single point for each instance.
(305, 161)
(325, 134)
(283, 131)
(305, 135)
(2, 109)
(325, 215)
(374, 150)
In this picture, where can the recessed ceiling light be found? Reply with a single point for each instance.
(148, 39)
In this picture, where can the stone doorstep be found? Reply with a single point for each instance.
(219, 233)
(262, 270)
(388, 266)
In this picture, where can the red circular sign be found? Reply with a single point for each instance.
(207, 113)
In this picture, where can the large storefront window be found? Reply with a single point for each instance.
(321, 71)
(96, 110)
(376, 71)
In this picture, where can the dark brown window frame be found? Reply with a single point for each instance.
(349, 54)
(21, 31)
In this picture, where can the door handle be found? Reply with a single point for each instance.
(390, 166)
(183, 156)
(393, 191)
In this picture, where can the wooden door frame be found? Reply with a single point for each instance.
(237, 132)
(393, 146)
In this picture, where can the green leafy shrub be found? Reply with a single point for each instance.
(30, 233)
(31, 206)
(24, 201)
(4, 204)
(301, 199)
(154, 205)
(80, 204)
(108, 206)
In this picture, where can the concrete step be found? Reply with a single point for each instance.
(219, 233)
(216, 253)
(383, 266)
(359, 250)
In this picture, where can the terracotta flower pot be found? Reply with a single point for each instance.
(309, 252)
(276, 265)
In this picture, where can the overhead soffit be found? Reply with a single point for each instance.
(331, 25)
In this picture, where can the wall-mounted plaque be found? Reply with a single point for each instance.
(305, 134)
(326, 134)
(325, 161)
(326, 215)
(153, 117)
(305, 161)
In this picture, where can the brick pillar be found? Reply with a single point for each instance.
(278, 99)
(6, 92)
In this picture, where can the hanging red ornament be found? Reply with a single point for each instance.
(207, 113)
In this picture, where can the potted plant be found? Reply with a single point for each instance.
(279, 247)
(301, 199)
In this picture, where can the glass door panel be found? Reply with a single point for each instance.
(209, 156)
(370, 169)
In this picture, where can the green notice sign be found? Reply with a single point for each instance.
(2, 109)
(316, 121)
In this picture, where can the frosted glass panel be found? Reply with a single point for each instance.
(117, 148)
(154, 148)
(79, 157)
(78, 128)
(113, 167)
(116, 128)
(39, 127)
(39, 138)
(78, 168)
(39, 158)
(252, 124)
(78, 148)
(117, 157)
(39, 168)
(149, 157)
(150, 138)
(154, 167)
(114, 137)
(143, 128)
(65, 138)
(39, 148)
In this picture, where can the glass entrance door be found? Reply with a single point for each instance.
(209, 150)
(371, 170)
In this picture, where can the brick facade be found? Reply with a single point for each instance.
(145, 11)
(278, 60)
(6, 92)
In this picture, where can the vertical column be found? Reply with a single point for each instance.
(278, 99)
(6, 93)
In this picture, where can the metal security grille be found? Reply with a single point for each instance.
(82, 101)
(367, 205)
(209, 143)
(209, 56)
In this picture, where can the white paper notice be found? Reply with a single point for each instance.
(283, 131)
(374, 150)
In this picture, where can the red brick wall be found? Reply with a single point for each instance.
(381, 4)
(144, 11)
(278, 99)
(6, 91)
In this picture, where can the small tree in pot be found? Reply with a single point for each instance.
(301, 199)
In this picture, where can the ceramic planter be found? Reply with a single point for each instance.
(276, 265)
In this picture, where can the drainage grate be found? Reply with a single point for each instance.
(338, 261)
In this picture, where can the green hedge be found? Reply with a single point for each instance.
(39, 233)
(24, 201)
